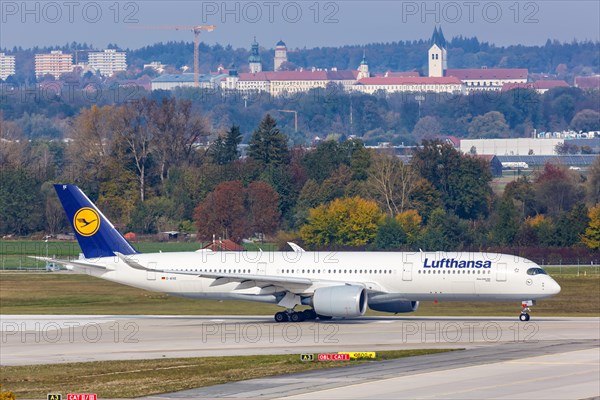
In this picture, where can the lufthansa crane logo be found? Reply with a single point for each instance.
(86, 221)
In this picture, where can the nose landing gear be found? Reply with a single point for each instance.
(525, 311)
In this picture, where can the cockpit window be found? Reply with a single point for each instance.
(536, 271)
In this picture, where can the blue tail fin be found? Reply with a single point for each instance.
(97, 237)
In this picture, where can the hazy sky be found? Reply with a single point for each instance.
(299, 23)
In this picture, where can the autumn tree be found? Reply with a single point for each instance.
(536, 231)
(591, 237)
(92, 148)
(593, 182)
(7, 394)
(268, 145)
(235, 212)
(391, 181)
(412, 225)
(522, 192)
(135, 136)
(557, 189)
(424, 198)
(262, 206)
(222, 212)
(347, 222)
(175, 132)
(119, 193)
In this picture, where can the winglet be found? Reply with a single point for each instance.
(296, 248)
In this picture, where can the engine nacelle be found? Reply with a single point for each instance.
(340, 301)
(395, 306)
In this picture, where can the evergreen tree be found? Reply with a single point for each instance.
(232, 140)
(268, 144)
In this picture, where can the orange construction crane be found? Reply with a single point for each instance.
(196, 29)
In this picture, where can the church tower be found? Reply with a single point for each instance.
(437, 54)
(280, 55)
(254, 59)
(363, 68)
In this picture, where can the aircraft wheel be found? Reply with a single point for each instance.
(324, 317)
(524, 317)
(281, 317)
(297, 317)
(309, 314)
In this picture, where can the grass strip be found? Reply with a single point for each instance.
(127, 379)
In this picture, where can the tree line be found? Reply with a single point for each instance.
(331, 112)
(155, 165)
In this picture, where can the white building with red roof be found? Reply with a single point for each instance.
(444, 84)
(588, 82)
(488, 78)
(281, 83)
(541, 86)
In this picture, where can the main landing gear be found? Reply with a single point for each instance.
(297, 316)
(525, 311)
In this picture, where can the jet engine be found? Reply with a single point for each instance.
(394, 306)
(340, 301)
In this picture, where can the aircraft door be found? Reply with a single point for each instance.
(151, 275)
(407, 271)
(501, 273)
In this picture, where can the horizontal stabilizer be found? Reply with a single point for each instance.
(77, 263)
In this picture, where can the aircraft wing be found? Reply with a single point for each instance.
(247, 281)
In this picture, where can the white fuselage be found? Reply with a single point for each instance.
(411, 276)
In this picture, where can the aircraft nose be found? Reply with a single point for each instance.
(553, 287)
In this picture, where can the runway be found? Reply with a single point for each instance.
(44, 339)
(504, 358)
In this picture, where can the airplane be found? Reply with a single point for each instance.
(333, 284)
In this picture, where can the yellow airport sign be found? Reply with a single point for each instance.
(354, 355)
(307, 357)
